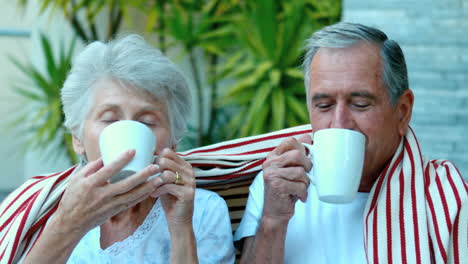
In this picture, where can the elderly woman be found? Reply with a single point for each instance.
(135, 220)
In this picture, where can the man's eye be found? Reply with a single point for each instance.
(323, 106)
(361, 105)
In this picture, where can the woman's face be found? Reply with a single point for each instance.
(114, 102)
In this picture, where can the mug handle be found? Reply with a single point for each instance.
(310, 149)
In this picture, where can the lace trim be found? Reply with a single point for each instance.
(140, 233)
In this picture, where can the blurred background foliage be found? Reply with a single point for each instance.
(244, 58)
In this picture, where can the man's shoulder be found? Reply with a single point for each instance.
(443, 176)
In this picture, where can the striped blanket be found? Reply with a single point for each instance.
(414, 213)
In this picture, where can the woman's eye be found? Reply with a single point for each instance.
(109, 120)
(148, 123)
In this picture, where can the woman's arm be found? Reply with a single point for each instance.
(55, 244)
(177, 197)
(183, 243)
(89, 201)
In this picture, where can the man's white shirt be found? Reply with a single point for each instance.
(319, 232)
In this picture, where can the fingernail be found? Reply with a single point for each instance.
(158, 181)
(154, 167)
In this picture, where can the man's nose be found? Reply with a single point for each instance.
(342, 118)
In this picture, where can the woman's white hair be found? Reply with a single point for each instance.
(132, 61)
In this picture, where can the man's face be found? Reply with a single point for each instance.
(347, 91)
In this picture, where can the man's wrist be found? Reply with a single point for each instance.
(271, 224)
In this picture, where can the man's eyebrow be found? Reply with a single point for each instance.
(364, 94)
(319, 96)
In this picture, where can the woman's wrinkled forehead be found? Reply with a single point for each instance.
(110, 91)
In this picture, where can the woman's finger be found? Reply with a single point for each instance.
(105, 173)
(184, 170)
(134, 180)
(91, 167)
(136, 195)
(171, 154)
(168, 177)
(182, 193)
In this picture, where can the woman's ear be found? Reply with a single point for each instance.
(78, 145)
(405, 109)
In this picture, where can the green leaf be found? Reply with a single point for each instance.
(255, 107)
(297, 107)
(28, 94)
(251, 80)
(275, 77)
(260, 126)
(243, 99)
(217, 33)
(49, 57)
(235, 123)
(278, 109)
(263, 15)
(152, 19)
(295, 73)
(233, 61)
(25, 69)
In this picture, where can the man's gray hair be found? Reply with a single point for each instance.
(344, 34)
(132, 61)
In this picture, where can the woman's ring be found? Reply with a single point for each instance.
(178, 179)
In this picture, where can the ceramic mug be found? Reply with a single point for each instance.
(124, 135)
(337, 157)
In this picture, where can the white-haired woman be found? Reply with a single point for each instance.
(133, 220)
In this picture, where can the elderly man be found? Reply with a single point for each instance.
(408, 208)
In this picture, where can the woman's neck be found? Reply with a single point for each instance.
(124, 224)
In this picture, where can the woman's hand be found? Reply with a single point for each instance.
(90, 199)
(177, 195)
(176, 199)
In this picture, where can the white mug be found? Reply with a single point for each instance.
(337, 161)
(124, 135)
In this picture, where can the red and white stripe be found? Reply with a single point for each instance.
(413, 214)
(412, 209)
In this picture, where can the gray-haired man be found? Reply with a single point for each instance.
(408, 208)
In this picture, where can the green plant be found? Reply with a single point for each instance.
(204, 32)
(268, 88)
(84, 15)
(253, 45)
(42, 120)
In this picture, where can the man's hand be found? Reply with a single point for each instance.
(285, 178)
(286, 181)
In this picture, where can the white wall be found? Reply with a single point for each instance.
(433, 36)
(16, 163)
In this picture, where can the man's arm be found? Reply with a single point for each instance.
(285, 181)
(267, 246)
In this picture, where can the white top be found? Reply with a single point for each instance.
(319, 232)
(150, 243)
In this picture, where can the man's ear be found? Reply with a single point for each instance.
(78, 145)
(405, 110)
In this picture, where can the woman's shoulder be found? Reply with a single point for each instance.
(202, 195)
(208, 202)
